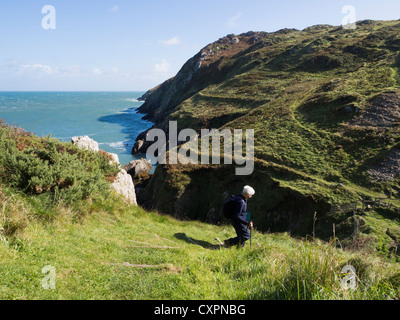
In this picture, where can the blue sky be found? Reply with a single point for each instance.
(122, 45)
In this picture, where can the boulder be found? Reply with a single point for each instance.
(114, 158)
(235, 40)
(137, 148)
(84, 142)
(123, 184)
(136, 167)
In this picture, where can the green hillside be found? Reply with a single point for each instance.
(324, 104)
(99, 247)
(116, 252)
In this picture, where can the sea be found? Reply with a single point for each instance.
(110, 118)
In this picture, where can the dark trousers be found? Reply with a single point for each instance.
(242, 232)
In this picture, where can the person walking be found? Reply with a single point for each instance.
(238, 218)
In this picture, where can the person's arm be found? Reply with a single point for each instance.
(239, 206)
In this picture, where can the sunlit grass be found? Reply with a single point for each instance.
(119, 252)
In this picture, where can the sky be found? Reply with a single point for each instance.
(129, 45)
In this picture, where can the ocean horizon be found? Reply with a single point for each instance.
(108, 117)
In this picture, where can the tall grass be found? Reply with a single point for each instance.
(89, 255)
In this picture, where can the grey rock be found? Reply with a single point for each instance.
(136, 167)
(84, 142)
(382, 112)
(388, 169)
(351, 108)
(114, 158)
(123, 185)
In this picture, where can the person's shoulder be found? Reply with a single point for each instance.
(239, 198)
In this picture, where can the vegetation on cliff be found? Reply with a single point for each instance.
(101, 248)
(57, 172)
(324, 104)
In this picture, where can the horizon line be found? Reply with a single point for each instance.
(72, 91)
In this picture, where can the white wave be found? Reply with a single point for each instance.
(129, 110)
(121, 145)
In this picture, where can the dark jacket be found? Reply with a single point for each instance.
(240, 209)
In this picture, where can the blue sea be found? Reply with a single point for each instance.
(110, 118)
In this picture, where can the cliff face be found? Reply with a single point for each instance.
(198, 192)
(206, 68)
(323, 103)
(196, 74)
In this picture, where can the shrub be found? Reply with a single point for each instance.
(39, 165)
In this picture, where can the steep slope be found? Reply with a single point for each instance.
(323, 103)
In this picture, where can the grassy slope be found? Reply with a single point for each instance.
(292, 87)
(83, 251)
(297, 107)
(88, 240)
(83, 240)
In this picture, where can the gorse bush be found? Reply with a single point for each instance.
(46, 165)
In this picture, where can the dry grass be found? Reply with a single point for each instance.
(14, 215)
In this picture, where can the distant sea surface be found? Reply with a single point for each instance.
(110, 118)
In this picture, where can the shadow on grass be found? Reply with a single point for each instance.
(388, 214)
(201, 243)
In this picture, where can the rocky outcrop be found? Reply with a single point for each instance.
(161, 100)
(137, 167)
(388, 169)
(196, 74)
(84, 142)
(123, 183)
(164, 99)
(382, 112)
(153, 99)
(114, 158)
(141, 143)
